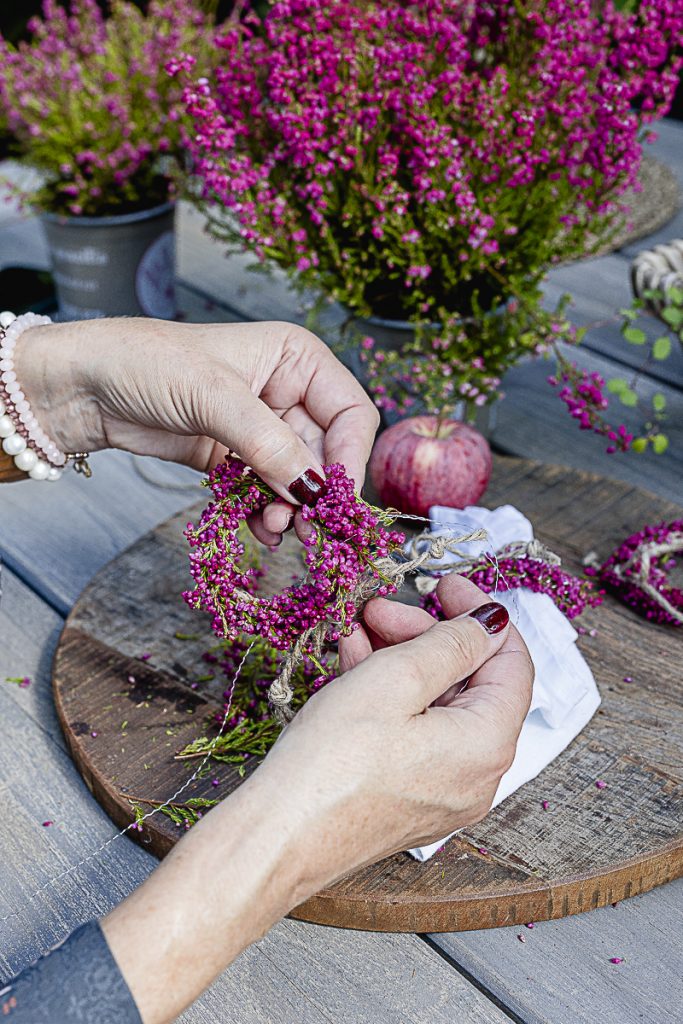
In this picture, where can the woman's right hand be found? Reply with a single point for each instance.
(395, 753)
(368, 767)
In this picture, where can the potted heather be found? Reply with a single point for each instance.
(424, 164)
(92, 108)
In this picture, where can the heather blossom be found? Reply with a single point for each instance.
(90, 104)
(571, 594)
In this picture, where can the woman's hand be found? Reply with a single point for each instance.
(411, 741)
(368, 767)
(271, 392)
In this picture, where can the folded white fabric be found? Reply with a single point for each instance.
(565, 695)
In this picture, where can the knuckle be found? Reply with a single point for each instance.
(373, 412)
(411, 666)
(505, 755)
(459, 646)
(300, 337)
(270, 449)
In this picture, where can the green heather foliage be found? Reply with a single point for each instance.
(89, 102)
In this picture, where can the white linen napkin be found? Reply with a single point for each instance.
(565, 696)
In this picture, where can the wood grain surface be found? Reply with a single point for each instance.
(593, 847)
(8, 471)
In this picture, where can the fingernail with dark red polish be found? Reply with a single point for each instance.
(307, 488)
(493, 617)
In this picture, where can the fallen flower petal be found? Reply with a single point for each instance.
(616, 959)
(600, 784)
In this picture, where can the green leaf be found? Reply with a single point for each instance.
(629, 314)
(661, 348)
(634, 335)
(675, 294)
(640, 444)
(615, 385)
(673, 316)
(660, 442)
(627, 396)
(658, 402)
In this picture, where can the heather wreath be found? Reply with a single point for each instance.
(428, 162)
(348, 539)
(90, 105)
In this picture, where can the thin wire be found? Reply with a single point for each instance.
(138, 821)
(490, 556)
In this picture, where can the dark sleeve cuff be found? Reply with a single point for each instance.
(77, 983)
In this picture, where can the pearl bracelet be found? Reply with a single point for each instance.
(22, 437)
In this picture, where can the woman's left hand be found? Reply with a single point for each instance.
(271, 392)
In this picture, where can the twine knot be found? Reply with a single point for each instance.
(426, 551)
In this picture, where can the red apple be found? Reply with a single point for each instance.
(421, 462)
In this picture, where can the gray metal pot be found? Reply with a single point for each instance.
(393, 335)
(114, 266)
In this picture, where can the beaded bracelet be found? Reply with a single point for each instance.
(22, 437)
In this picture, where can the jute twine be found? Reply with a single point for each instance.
(516, 549)
(641, 576)
(312, 640)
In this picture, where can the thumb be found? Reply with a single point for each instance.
(447, 653)
(265, 442)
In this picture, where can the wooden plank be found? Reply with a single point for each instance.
(38, 782)
(539, 864)
(29, 630)
(562, 972)
(599, 289)
(202, 263)
(78, 525)
(531, 420)
(304, 973)
(297, 972)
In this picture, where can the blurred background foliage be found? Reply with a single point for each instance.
(15, 13)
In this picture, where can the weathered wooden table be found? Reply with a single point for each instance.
(53, 541)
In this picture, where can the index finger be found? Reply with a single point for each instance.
(336, 401)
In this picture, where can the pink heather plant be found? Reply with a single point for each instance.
(404, 158)
(90, 104)
(430, 161)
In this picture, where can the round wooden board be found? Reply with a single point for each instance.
(592, 847)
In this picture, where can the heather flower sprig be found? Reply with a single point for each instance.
(588, 395)
(346, 541)
(251, 728)
(90, 105)
(460, 363)
(571, 594)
